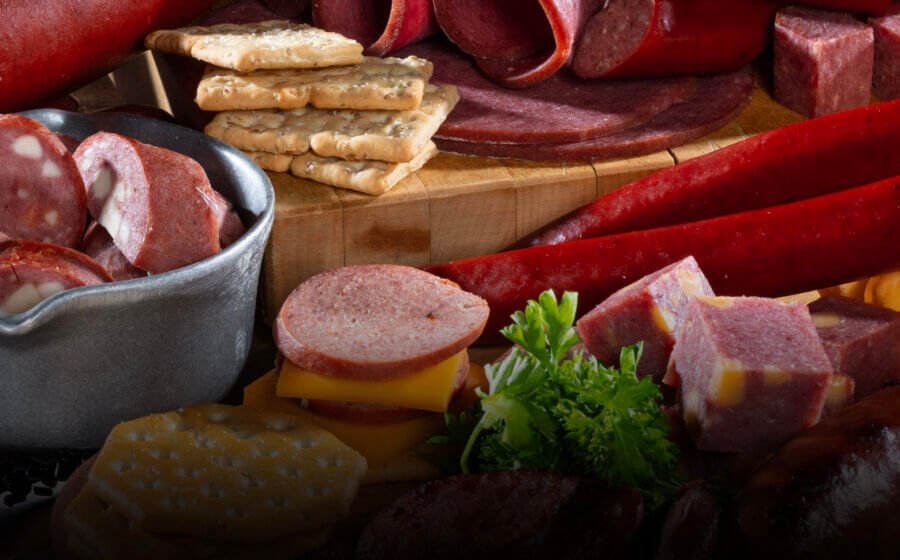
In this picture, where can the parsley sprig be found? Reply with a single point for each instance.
(575, 415)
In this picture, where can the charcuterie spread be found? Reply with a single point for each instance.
(685, 344)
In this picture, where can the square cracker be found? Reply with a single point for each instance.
(394, 84)
(393, 136)
(96, 530)
(226, 473)
(266, 44)
(365, 176)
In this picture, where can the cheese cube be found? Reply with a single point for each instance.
(753, 372)
(650, 310)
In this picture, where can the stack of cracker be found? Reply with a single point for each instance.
(212, 481)
(294, 97)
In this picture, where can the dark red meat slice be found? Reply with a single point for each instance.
(484, 29)
(382, 26)
(651, 38)
(98, 245)
(561, 109)
(691, 529)
(230, 226)
(42, 195)
(716, 101)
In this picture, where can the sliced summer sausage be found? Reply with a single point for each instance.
(230, 226)
(41, 192)
(31, 272)
(381, 27)
(98, 245)
(377, 322)
(156, 204)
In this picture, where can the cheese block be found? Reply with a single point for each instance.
(429, 389)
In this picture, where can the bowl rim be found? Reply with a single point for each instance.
(100, 294)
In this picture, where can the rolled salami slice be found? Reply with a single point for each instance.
(381, 27)
(650, 38)
(503, 33)
(375, 322)
(31, 272)
(156, 204)
(561, 109)
(98, 245)
(42, 195)
(230, 226)
(717, 101)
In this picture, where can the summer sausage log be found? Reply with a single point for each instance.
(156, 204)
(50, 47)
(42, 194)
(31, 272)
(98, 245)
(381, 27)
(777, 251)
(505, 514)
(788, 164)
(650, 38)
(831, 493)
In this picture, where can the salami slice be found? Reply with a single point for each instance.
(41, 192)
(561, 109)
(156, 204)
(31, 272)
(716, 102)
(650, 38)
(381, 26)
(98, 245)
(229, 224)
(461, 22)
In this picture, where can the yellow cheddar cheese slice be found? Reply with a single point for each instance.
(378, 443)
(429, 389)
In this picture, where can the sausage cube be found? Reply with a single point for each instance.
(823, 61)
(886, 77)
(753, 372)
(861, 340)
(650, 310)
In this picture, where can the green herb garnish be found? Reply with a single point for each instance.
(575, 415)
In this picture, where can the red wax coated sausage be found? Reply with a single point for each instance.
(651, 38)
(50, 47)
(787, 249)
(869, 7)
(808, 159)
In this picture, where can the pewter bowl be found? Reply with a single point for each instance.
(88, 358)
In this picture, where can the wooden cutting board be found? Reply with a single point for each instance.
(456, 207)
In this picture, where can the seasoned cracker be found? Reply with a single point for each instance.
(226, 473)
(392, 136)
(278, 163)
(395, 84)
(266, 44)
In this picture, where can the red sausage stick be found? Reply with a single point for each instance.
(652, 38)
(808, 159)
(787, 249)
(49, 47)
(868, 7)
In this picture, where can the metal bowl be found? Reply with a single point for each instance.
(87, 358)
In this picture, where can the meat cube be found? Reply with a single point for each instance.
(841, 391)
(823, 61)
(650, 310)
(861, 340)
(753, 373)
(886, 76)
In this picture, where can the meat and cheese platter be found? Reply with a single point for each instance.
(450, 278)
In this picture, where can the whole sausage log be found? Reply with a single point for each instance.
(652, 38)
(832, 492)
(785, 165)
(777, 251)
(49, 47)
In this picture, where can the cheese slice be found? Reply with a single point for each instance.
(379, 444)
(429, 389)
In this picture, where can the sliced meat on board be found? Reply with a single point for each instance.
(561, 109)
(31, 272)
(42, 195)
(98, 245)
(156, 204)
(510, 38)
(651, 38)
(381, 26)
(716, 101)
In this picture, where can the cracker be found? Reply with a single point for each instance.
(227, 473)
(266, 44)
(96, 530)
(394, 136)
(395, 84)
